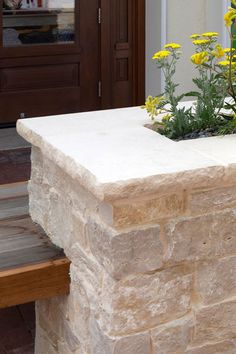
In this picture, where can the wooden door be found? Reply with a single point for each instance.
(40, 75)
(123, 53)
(101, 65)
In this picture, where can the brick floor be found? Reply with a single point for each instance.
(17, 329)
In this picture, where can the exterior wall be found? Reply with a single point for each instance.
(153, 42)
(151, 274)
(183, 18)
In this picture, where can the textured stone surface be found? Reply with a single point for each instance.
(204, 202)
(39, 203)
(43, 343)
(225, 347)
(203, 237)
(88, 274)
(147, 210)
(216, 280)
(215, 323)
(130, 344)
(79, 230)
(124, 252)
(149, 226)
(173, 337)
(139, 302)
(79, 315)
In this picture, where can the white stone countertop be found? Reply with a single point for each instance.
(111, 151)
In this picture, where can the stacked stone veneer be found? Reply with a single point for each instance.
(150, 273)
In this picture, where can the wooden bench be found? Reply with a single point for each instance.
(31, 267)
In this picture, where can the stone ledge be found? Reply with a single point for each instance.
(111, 153)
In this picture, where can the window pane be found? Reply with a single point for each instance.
(30, 22)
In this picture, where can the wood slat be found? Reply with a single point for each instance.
(23, 242)
(31, 267)
(13, 190)
(15, 165)
(34, 282)
(10, 139)
(14, 207)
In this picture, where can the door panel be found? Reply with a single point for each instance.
(39, 77)
(49, 60)
(39, 103)
(123, 53)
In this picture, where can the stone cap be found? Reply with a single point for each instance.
(112, 154)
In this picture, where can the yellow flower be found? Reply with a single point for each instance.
(172, 46)
(166, 118)
(219, 52)
(224, 63)
(151, 105)
(201, 41)
(227, 50)
(229, 16)
(161, 54)
(210, 34)
(199, 58)
(195, 36)
(233, 57)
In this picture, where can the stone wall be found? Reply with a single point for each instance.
(150, 274)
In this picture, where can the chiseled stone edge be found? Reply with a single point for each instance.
(161, 183)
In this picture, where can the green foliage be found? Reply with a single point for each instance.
(215, 79)
(229, 126)
(181, 125)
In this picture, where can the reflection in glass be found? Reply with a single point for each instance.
(29, 22)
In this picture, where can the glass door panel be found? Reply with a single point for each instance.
(33, 22)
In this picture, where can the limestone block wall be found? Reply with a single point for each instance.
(151, 273)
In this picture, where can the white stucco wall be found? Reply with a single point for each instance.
(183, 18)
(153, 42)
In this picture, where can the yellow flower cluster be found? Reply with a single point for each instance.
(200, 58)
(162, 54)
(224, 62)
(166, 118)
(207, 36)
(201, 41)
(229, 17)
(219, 52)
(172, 46)
(210, 34)
(151, 105)
(227, 63)
(195, 36)
(168, 48)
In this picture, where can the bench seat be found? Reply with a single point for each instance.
(31, 267)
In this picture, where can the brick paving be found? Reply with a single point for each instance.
(17, 329)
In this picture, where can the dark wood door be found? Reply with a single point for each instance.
(123, 53)
(42, 72)
(48, 67)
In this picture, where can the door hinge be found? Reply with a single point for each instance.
(99, 88)
(99, 15)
